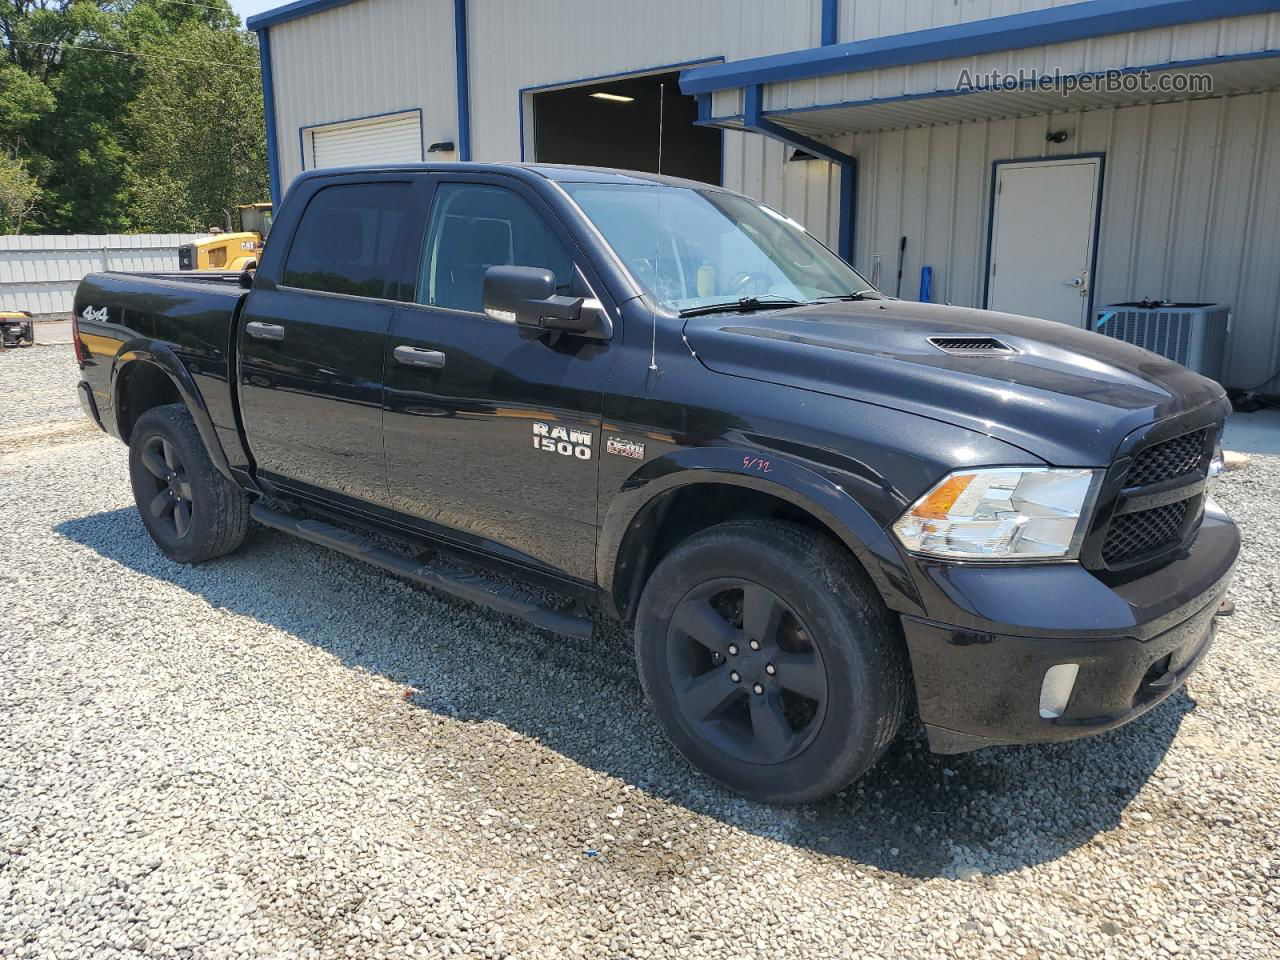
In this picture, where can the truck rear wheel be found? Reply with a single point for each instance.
(770, 660)
(192, 511)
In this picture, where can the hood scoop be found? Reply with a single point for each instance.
(971, 346)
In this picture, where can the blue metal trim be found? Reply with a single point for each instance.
(582, 81)
(291, 11)
(461, 62)
(1101, 157)
(830, 22)
(941, 94)
(753, 119)
(269, 115)
(1063, 24)
(422, 137)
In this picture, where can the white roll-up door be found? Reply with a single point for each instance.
(391, 139)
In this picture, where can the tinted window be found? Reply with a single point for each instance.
(347, 239)
(473, 228)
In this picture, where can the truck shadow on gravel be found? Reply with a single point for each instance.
(915, 815)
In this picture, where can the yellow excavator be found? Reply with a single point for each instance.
(228, 250)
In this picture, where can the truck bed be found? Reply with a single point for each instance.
(190, 316)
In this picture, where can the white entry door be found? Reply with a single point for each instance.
(1042, 233)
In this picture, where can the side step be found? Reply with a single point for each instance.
(460, 583)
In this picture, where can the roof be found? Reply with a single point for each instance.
(562, 173)
(1061, 24)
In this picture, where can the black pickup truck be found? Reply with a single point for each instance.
(667, 401)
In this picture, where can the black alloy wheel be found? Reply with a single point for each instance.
(191, 510)
(770, 660)
(745, 673)
(173, 503)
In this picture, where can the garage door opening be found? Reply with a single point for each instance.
(615, 124)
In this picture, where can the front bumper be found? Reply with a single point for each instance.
(991, 634)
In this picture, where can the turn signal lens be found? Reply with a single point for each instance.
(1001, 513)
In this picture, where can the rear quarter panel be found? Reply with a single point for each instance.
(126, 319)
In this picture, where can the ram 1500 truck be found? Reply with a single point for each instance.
(667, 401)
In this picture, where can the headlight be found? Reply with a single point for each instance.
(1001, 513)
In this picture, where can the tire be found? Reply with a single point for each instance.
(821, 699)
(192, 511)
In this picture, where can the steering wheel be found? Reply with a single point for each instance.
(740, 281)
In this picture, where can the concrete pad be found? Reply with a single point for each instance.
(1253, 432)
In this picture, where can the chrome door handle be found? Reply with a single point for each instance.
(264, 331)
(1074, 282)
(418, 357)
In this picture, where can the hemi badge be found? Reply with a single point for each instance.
(624, 448)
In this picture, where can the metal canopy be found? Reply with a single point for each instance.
(1245, 74)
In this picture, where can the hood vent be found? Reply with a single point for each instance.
(971, 346)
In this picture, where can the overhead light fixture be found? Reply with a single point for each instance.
(612, 97)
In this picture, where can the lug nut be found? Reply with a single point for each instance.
(755, 644)
(733, 649)
(758, 688)
(735, 676)
(770, 669)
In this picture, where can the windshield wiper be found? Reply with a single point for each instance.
(744, 305)
(857, 295)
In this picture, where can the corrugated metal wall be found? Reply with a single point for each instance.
(363, 59)
(1191, 207)
(1193, 41)
(40, 273)
(860, 19)
(509, 46)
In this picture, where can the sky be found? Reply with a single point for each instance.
(247, 8)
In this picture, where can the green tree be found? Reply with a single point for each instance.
(19, 194)
(72, 70)
(198, 130)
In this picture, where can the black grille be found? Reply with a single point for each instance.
(1133, 534)
(1166, 460)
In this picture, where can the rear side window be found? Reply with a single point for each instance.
(346, 240)
(473, 228)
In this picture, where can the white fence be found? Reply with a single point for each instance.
(40, 273)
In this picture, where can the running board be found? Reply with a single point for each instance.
(459, 583)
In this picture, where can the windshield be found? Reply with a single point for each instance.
(694, 248)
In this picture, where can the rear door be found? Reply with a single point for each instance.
(312, 344)
(492, 429)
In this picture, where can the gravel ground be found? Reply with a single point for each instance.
(284, 753)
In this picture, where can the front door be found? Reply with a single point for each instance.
(1043, 224)
(493, 430)
(312, 345)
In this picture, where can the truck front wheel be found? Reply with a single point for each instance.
(192, 511)
(770, 660)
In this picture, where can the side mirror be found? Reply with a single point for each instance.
(527, 296)
(246, 278)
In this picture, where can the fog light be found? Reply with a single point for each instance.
(1056, 689)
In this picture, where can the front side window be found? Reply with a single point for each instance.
(474, 227)
(692, 248)
(346, 240)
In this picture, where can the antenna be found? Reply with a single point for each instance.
(662, 116)
(657, 234)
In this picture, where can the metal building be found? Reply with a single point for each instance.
(1037, 156)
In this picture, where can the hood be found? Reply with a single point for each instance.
(1063, 394)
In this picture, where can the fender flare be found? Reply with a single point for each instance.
(795, 483)
(158, 354)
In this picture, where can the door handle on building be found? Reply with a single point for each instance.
(418, 357)
(264, 331)
(1074, 282)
